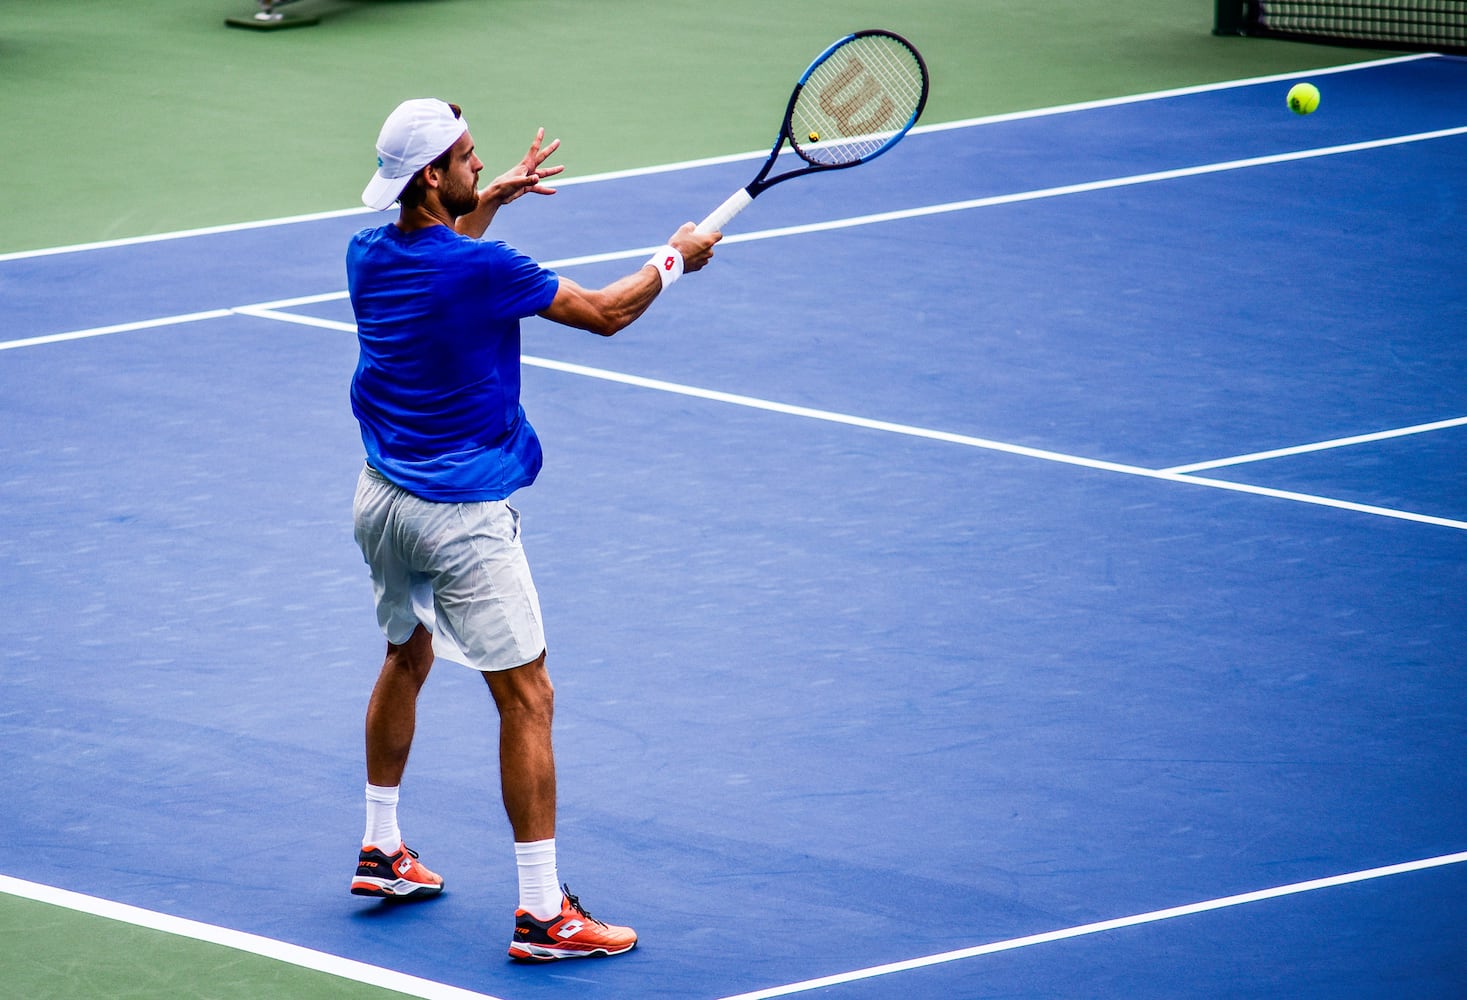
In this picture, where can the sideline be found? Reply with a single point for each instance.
(254, 944)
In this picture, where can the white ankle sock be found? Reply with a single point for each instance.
(382, 828)
(540, 894)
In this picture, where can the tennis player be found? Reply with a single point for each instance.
(437, 394)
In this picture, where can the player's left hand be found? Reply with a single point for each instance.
(526, 176)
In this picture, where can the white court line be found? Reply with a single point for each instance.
(1158, 95)
(1037, 194)
(260, 312)
(828, 225)
(984, 443)
(1101, 185)
(103, 331)
(273, 311)
(428, 990)
(833, 224)
(267, 312)
(254, 944)
(1103, 926)
(829, 416)
(1302, 449)
(757, 154)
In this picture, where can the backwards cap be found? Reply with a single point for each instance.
(414, 135)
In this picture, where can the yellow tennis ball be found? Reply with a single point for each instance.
(814, 136)
(1303, 98)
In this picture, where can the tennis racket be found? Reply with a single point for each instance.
(856, 101)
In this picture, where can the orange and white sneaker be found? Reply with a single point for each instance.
(394, 875)
(574, 933)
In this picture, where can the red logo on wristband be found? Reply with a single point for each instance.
(668, 264)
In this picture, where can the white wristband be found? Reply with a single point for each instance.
(669, 264)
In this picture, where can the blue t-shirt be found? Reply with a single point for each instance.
(437, 385)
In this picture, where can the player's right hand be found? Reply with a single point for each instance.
(696, 248)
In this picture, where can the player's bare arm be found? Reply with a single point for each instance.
(605, 311)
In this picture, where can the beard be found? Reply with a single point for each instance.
(459, 201)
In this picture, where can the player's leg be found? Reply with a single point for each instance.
(387, 867)
(525, 699)
(392, 712)
(550, 923)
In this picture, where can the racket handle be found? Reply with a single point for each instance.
(735, 204)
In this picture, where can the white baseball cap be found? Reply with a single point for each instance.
(414, 135)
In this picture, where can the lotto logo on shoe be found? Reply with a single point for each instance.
(403, 876)
(570, 929)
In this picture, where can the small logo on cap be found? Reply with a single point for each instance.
(379, 163)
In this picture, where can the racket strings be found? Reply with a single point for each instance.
(855, 102)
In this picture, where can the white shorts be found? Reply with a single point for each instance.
(456, 568)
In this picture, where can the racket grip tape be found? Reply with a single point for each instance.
(736, 203)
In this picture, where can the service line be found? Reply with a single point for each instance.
(1102, 926)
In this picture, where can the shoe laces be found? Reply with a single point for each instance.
(575, 904)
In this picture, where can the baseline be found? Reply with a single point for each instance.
(1108, 102)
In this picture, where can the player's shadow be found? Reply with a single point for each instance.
(382, 909)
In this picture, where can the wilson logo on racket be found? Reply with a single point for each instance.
(852, 90)
(854, 102)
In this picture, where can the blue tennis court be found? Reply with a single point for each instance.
(1033, 564)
